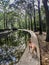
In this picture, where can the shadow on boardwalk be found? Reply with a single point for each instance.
(27, 59)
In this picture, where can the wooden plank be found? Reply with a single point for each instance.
(5, 33)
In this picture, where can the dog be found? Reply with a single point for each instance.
(32, 48)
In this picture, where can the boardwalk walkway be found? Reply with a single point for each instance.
(27, 59)
(5, 33)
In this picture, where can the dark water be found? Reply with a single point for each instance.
(12, 48)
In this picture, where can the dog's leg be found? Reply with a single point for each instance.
(29, 48)
(35, 51)
(32, 53)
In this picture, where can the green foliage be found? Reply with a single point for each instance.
(17, 18)
(1, 21)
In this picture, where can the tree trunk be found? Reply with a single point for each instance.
(34, 22)
(40, 22)
(4, 20)
(34, 17)
(47, 36)
(47, 19)
(31, 25)
(26, 21)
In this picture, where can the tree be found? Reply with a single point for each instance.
(40, 22)
(28, 7)
(47, 18)
(43, 18)
(11, 19)
(4, 4)
(30, 14)
(34, 17)
(26, 21)
(1, 21)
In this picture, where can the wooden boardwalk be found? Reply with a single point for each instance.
(27, 59)
(5, 33)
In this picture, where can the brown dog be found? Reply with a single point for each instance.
(32, 47)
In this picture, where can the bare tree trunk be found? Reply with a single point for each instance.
(31, 25)
(34, 21)
(26, 20)
(29, 22)
(40, 22)
(4, 20)
(34, 18)
(47, 19)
